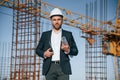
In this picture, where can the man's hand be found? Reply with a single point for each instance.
(65, 47)
(48, 53)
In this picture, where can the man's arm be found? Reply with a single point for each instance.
(70, 47)
(39, 49)
(73, 47)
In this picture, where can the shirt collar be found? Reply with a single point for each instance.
(59, 31)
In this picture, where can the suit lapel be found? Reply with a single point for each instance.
(63, 33)
(49, 37)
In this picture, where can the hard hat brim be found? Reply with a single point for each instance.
(56, 15)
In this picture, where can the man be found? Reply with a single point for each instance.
(55, 46)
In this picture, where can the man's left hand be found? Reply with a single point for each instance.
(65, 47)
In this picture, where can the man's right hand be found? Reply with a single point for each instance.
(48, 53)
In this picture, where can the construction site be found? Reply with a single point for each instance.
(96, 32)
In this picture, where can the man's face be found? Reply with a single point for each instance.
(57, 22)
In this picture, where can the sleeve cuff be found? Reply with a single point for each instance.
(67, 52)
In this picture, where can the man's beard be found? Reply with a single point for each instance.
(57, 28)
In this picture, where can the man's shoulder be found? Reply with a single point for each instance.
(46, 32)
(65, 31)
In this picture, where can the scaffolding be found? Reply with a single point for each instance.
(96, 62)
(25, 64)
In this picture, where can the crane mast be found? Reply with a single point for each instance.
(118, 16)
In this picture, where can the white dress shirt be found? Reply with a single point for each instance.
(55, 43)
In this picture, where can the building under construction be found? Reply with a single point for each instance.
(101, 36)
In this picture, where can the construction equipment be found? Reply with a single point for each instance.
(111, 39)
(26, 34)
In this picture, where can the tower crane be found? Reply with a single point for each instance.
(71, 19)
(26, 34)
(111, 42)
(111, 39)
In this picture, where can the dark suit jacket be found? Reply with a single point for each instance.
(44, 44)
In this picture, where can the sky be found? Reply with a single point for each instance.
(77, 62)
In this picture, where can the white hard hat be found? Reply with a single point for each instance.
(56, 11)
